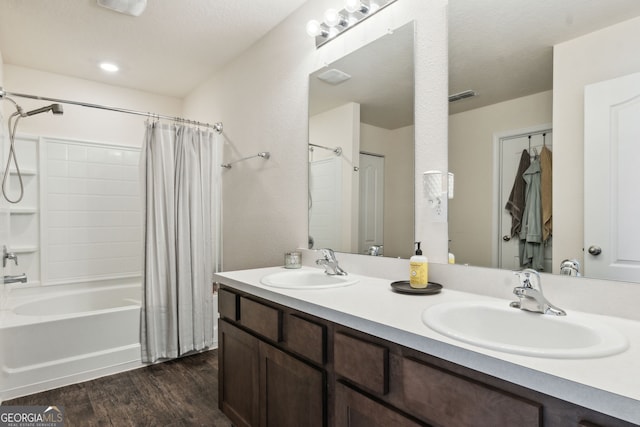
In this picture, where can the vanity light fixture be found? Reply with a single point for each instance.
(336, 22)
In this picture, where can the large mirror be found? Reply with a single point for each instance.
(505, 52)
(361, 149)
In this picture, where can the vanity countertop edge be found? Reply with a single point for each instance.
(604, 384)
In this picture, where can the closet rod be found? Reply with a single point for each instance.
(216, 126)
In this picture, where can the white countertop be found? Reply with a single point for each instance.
(610, 385)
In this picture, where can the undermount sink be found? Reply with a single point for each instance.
(496, 326)
(312, 278)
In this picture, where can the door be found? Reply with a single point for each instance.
(510, 150)
(611, 191)
(371, 210)
(325, 203)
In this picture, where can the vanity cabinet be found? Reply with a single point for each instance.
(281, 367)
(262, 384)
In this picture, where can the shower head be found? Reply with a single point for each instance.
(264, 154)
(54, 108)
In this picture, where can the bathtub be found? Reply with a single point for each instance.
(51, 336)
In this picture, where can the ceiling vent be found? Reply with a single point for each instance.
(462, 95)
(334, 76)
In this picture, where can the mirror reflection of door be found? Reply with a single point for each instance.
(510, 150)
(325, 203)
(612, 195)
(371, 203)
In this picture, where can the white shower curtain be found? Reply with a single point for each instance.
(181, 183)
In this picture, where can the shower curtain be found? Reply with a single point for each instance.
(181, 239)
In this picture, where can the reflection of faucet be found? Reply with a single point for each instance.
(531, 297)
(375, 250)
(570, 267)
(330, 263)
(6, 255)
(20, 278)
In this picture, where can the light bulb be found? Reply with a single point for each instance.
(313, 28)
(352, 6)
(332, 18)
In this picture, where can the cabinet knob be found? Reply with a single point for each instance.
(506, 238)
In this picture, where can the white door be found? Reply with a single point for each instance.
(325, 203)
(511, 147)
(612, 177)
(371, 202)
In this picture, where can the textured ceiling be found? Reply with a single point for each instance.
(173, 46)
(501, 48)
(504, 48)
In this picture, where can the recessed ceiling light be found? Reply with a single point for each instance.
(107, 66)
(128, 7)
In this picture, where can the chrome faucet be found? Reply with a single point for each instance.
(530, 294)
(330, 263)
(6, 255)
(375, 250)
(570, 267)
(20, 278)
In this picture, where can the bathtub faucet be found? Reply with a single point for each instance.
(20, 278)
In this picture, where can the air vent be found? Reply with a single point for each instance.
(462, 95)
(334, 76)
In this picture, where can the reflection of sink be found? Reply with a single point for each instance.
(307, 279)
(499, 327)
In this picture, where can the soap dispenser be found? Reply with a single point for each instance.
(418, 269)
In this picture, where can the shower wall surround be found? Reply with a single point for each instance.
(80, 218)
(91, 211)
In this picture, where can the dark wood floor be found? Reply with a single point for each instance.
(182, 392)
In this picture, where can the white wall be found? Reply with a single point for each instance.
(471, 159)
(262, 99)
(602, 55)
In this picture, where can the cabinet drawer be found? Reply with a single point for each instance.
(354, 409)
(447, 399)
(306, 338)
(262, 319)
(362, 362)
(228, 304)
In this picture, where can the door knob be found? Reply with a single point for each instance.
(506, 238)
(595, 250)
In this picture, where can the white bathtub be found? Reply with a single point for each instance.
(53, 336)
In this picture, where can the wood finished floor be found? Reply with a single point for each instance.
(182, 392)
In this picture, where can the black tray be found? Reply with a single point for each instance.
(404, 287)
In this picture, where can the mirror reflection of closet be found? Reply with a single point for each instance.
(361, 149)
(510, 59)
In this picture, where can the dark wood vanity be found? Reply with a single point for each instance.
(282, 367)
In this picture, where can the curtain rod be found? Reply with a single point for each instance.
(216, 126)
(337, 150)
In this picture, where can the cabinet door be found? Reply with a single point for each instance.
(292, 392)
(354, 409)
(238, 375)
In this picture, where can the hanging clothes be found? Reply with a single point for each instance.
(545, 193)
(531, 247)
(516, 203)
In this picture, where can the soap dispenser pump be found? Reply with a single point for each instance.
(418, 269)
